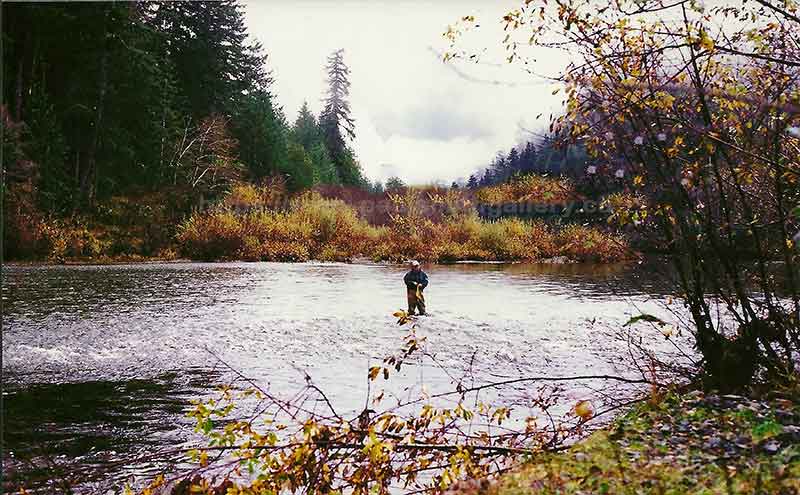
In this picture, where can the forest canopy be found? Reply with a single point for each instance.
(117, 98)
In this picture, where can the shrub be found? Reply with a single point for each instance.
(583, 243)
(245, 196)
(492, 238)
(211, 236)
(338, 233)
(531, 188)
(314, 227)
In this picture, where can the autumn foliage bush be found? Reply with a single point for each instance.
(529, 188)
(30, 235)
(584, 243)
(313, 227)
(35, 237)
(244, 195)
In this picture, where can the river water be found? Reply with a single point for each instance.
(100, 363)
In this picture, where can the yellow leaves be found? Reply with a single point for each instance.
(391, 424)
(153, 487)
(462, 412)
(638, 181)
(501, 414)
(403, 317)
(705, 41)
(373, 372)
(445, 479)
(378, 450)
(743, 175)
(664, 100)
(584, 410)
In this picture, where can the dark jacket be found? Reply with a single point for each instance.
(418, 277)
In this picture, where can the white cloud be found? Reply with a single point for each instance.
(416, 116)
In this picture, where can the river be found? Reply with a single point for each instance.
(100, 363)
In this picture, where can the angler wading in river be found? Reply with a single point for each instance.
(416, 280)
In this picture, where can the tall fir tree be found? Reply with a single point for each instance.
(306, 130)
(527, 158)
(261, 130)
(216, 64)
(324, 169)
(99, 74)
(513, 162)
(336, 121)
(298, 168)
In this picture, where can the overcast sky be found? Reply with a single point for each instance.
(416, 117)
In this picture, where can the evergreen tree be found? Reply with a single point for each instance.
(527, 159)
(215, 63)
(95, 73)
(513, 161)
(261, 131)
(306, 130)
(488, 178)
(336, 122)
(113, 97)
(299, 169)
(324, 169)
(349, 170)
(394, 183)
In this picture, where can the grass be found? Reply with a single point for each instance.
(681, 445)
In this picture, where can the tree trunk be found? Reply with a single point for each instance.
(89, 173)
(20, 89)
(18, 103)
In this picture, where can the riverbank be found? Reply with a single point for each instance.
(144, 260)
(314, 227)
(695, 443)
(263, 223)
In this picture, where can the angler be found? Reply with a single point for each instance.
(416, 280)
